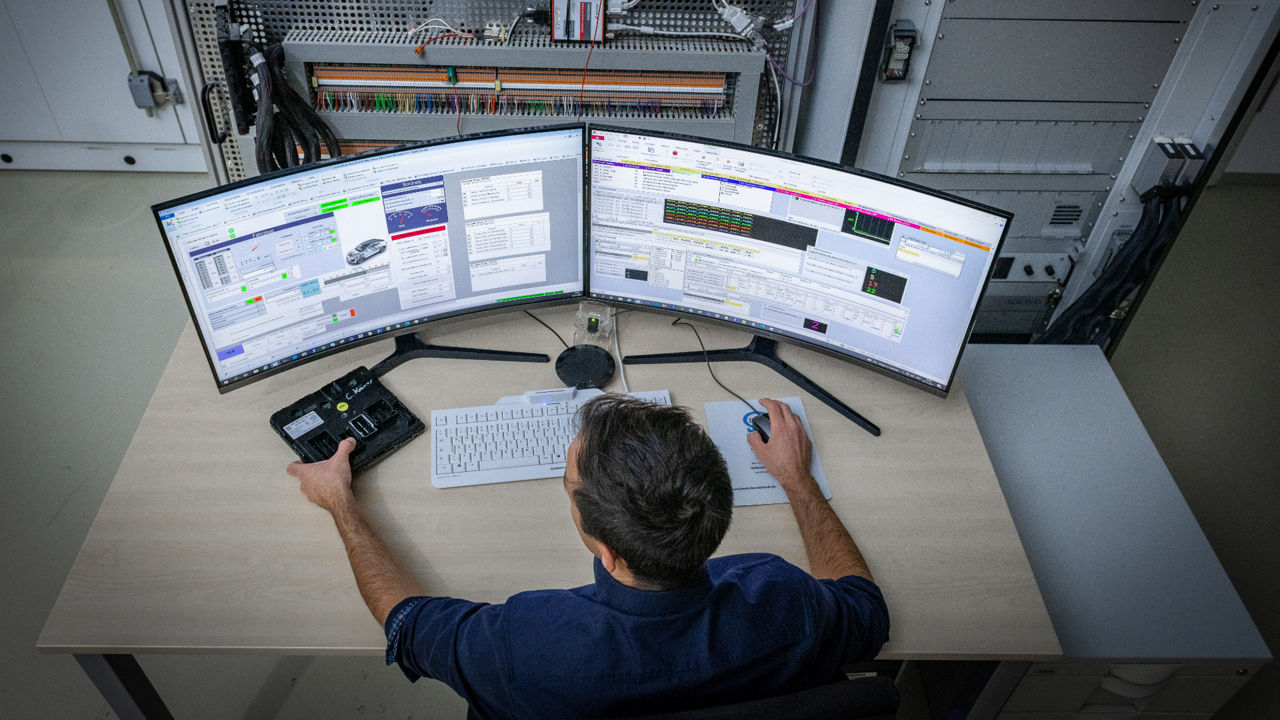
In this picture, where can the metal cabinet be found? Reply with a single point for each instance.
(66, 93)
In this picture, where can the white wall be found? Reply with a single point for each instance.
(1259, 148)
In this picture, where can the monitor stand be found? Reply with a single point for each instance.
(764, 351)
(410, 347)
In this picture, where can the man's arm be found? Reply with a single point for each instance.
(832, 552)
(382, 580)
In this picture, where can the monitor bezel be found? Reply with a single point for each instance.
(895, 374)
(412, 327)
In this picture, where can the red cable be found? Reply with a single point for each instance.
(457, 102)
(582, 88)
(434, 38)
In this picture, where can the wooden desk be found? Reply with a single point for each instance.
(203, 544)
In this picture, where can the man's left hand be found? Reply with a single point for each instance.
(327, 483)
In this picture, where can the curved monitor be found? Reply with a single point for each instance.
(864, 267)
(287, 267)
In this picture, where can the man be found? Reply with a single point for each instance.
(663, 627)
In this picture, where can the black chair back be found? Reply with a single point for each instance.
(870, 697)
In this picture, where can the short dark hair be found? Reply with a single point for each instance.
(654, 487)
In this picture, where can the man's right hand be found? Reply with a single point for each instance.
(787, 456)
(789, 453)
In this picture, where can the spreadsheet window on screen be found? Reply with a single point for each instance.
(280, 270)
(863, 267)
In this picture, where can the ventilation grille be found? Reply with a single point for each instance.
(1066, 215)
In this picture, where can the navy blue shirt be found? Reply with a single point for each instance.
(747, 626)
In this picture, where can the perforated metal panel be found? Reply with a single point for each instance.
(382, 21)
(205, 36)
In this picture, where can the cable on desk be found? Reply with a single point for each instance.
(707, 357)
(617, 351)
(553, 330)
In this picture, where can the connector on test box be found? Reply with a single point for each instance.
(578, 20)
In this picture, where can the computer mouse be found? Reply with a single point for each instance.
(761, 424)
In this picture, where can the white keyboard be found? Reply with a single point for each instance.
(520, 438)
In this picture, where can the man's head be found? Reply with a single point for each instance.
(648, 483)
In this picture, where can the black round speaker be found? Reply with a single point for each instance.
(585, 366)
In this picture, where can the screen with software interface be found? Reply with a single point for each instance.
(286, 267)
(853, 264)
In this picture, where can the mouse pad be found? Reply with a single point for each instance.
(355, 405)
(728, 424)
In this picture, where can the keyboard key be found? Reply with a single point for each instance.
(508, 462)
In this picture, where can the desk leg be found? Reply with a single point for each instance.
(996, 693)
(124, 686)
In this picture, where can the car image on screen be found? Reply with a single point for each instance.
(365, 250)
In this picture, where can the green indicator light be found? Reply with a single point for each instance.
(366, 200)
(249, 301)
(284, 276)
(335, 319)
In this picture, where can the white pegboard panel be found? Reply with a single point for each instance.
(276, 18)
(384, 20)
(205, 32)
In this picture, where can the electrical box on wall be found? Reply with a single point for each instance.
(372, 96)
(1044, 139)
(375, 77)
(1064, 114)
(897, 51)
(1043, 136)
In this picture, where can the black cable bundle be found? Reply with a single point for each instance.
(285, 121)
(1092, 319)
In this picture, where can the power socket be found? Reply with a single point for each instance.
(1033, 267)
